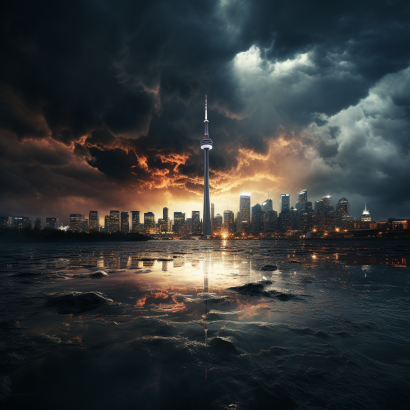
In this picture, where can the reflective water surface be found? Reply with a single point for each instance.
(205, 324)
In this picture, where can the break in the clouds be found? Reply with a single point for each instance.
(102, 104)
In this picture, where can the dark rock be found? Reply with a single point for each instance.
(222, 345)
(77, 302)
(99, 274)
(269, 268)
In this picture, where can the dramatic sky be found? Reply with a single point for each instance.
(101, 104)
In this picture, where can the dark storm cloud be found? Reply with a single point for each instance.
(120, 85)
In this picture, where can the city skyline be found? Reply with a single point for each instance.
(118, 127)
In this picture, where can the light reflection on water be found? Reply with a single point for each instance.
(180, 313)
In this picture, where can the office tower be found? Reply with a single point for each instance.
(179, 223)
(84, 225)
(267, 205)
(135, 221)
(115, 221)
(188, 226)
(107, 223)
(21, 222)
(77, 222)
(270, 219)
(196, 223)
(37, 224)
(342, 214)
(366, 217)
(51, 223)
(284, 204)
(206, 145)
(244, 219)
(149, 222)
(125, 222)
(218, 224)
(166, 221)
(302, 200)
(5, 222)
(324, 214)
(94, 221)
(257, 219)
(212, 215)
(229, 222)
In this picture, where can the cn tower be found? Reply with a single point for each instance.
(206, 145)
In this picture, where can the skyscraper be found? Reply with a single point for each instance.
(76, 222)
(366, 217)
(244, 211)
(284, 204)
(212, 216)
(37, 224)
(135, 221)
(179, 222)
(229, 222)
(257, 219)
(125, 222)
(115, 221)
(165, 218)
(149, 222)
(94, 221)
(342, 213)
(206, 145)
(196, 223)
(302, 200)
(267, 205)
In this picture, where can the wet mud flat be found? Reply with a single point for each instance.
(205, 324)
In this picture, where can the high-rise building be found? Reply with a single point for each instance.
(196, 223)
(166, 221)
(94, 221)
(84, 226)
(135, 221)
(5, 222)
(77, 222)
(206, 145)
(324, 214)
(270, 219)
(125, 222)
(115, 221)
(149, 222)
(188, 226)
(244, 210)
(366, 217)
(257, 219)
(267, 205)
(342, 214)
(284, 204)
(107, 223)
(21, 222)
(37, 224)
(302, 202)
(52, 223)
(179, 222)
(218, 223)
(229, 222)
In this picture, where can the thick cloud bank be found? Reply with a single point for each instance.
(102, 104)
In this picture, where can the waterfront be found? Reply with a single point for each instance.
(289, 324)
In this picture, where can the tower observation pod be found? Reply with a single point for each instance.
(206, 145)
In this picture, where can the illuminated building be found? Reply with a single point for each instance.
(179, 222)
(51, 223)
(125, 222)
(366, 217)
(166, 220)
(218, 223)
(302, 202)
(107, 225)
(270, 221)
(135, 221)
(188, 226)
(244, 210)
(267, 205)
(196, 223)
(149, 222)
(342, 214)
(5, 222)
(284, 204)
(257, 219)
(324, 214)
(206, 145)
(21, 222)
(77, 222)
(94, 221)
(229, 222)
(115, 221)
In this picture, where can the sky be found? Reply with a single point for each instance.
(102, 104)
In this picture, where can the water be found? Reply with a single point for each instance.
(199, 325)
